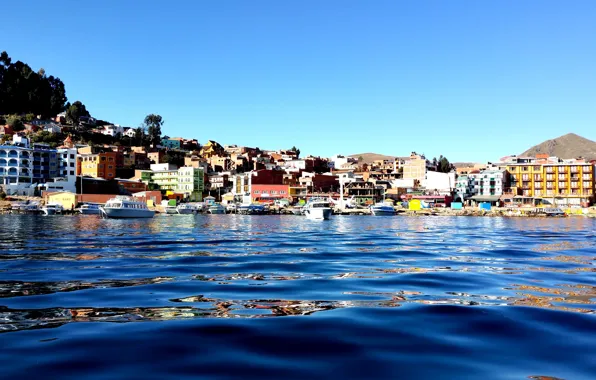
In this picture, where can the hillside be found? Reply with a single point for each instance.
(370, 157)
(567, 146)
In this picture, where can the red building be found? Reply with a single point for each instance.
(268, 193)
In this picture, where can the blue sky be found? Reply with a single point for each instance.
(472, 80)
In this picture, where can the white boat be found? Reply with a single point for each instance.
(126, 207)
(187, 208)
(216, 208)
(317, 210)
(90, 209)
(296, 210)
(171, 210)
(231, 208)
(382, 209)
(52, 209)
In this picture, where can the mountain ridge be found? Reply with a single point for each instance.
(567, 146)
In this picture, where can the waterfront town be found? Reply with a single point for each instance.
(174, 170)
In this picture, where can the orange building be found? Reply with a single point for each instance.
(100, 165)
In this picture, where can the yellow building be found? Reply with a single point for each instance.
(212, 148)
(66, 199)
(561, 183)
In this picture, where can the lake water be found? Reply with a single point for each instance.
(229, 296)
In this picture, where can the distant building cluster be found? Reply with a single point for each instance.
(188, 171)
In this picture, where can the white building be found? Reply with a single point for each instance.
(162, 167)
(191, 182)
(440, 182)
(112, 130)
(52, 128)
(484, 186)
(129, 132)
(488, 182)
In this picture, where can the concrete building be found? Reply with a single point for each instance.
(191, 183)
(98, 165)
(560, 182)
(415, 167)
(442, 183)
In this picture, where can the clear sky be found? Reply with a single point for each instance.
(472, 80)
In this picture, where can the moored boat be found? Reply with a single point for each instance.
(51, 209)
(382, 209)
(89, 209)
(126, 207)
(318, 210)
(187, 208)
(216, 208)
(171, 210)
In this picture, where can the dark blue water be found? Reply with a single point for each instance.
(225, 296)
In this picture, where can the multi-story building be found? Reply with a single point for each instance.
(488, 182)
(22, 166)
(67, 162)
(415, 167)
(561, 182)
(98, 165)
(191, 183)
(165, 180)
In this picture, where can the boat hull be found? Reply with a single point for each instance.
(90, 212)
(47, 211)
(120, 213)
(382, 211)
(217, 210)
(186, 211)
(171, 211)
(319, 213)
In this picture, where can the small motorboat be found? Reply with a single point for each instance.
(51, 209)
(382, 209)
(89, 209)
(187, 209)
(318, 210)
(171, 210)
(216, 208)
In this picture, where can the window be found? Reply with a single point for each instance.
(72, 172)
(110, 167)
(536, 168)
(103, 158)
(525, 168)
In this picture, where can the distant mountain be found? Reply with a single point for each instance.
(370, 157)
(567, 146)
(464, 164)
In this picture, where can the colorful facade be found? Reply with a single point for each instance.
(99, 165)
(563, 183)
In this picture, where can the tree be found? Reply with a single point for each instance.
(295, 150)
(139, 136)
(443, 165)
(22, 90)
(153, 124)
(75, 111)
(15, 122)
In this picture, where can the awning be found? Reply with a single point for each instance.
(486, 198)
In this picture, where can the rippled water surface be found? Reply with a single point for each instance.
(229, 296)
